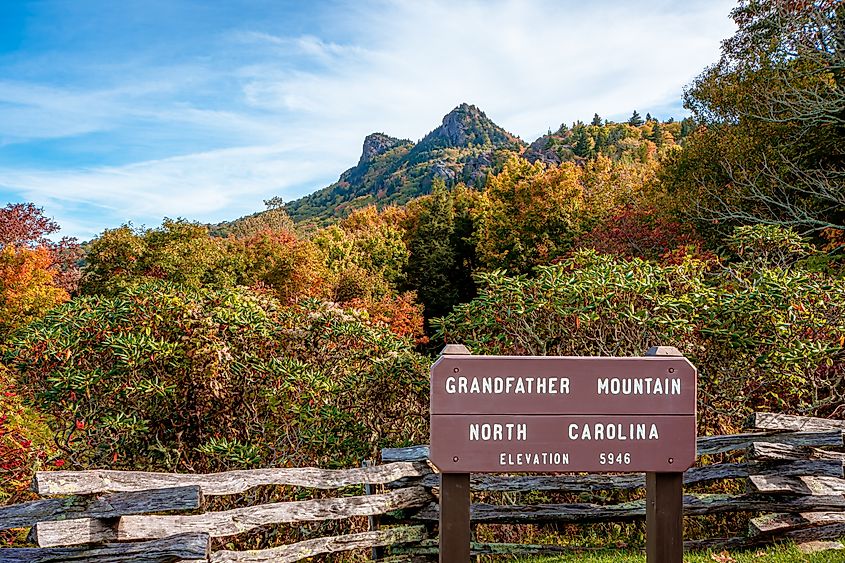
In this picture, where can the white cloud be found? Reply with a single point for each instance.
(288, 113)
(213, 185)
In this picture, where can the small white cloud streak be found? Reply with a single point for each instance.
(197, 185)
(300, 106)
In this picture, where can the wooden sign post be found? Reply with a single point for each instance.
(563, 414)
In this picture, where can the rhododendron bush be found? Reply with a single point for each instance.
(765, 333)
(159, 376)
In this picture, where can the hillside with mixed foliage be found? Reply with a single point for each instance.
(465, 147)
(468, 148)
(302, 334)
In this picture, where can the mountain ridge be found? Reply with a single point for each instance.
(392, 170)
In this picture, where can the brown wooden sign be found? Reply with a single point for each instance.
(567, 414)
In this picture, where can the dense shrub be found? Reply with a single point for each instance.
(634, 232)
(25, 447)
(178, 251)
(763, 335)
(164, 377)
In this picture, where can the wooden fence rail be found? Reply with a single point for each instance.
(792, 477)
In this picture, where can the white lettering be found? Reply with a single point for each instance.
(603, 386)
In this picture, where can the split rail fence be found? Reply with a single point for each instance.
(793, 469)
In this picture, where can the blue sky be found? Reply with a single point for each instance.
(133, 110)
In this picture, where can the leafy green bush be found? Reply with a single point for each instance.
(764, 336)
(167, 377)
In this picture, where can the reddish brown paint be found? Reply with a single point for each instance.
(546, 416)
(583, 374)
(452, 451)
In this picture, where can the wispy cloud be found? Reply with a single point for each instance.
(271, 111)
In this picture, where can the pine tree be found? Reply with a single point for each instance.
(434, 267)
(596, 120)
(656, 134)
(584, 145)
(648, 117)
(687, 126)
(635, 120)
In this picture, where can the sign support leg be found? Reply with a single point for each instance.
(454, 518)
(664, 514)
(454, 501)
(664, 518)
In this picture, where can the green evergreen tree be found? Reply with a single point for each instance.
(596, 120)
(656, 134)
(583, 143)
(635, 119)
(687, 126)
(435, 269)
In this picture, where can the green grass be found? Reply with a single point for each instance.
(782, 554)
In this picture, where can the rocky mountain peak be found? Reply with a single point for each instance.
(467, 125)
(376, 144)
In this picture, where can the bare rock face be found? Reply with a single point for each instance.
(542, 151)
(441, 170)
(376, 144)
(467, 125)
(476, 168)
(458, 124)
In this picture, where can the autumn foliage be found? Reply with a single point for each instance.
(36, 273)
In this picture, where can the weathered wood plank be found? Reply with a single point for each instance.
(693, 506)
(775, 523)
(429, 547)
(318, 546)
(238, 520)
(773, 421)
(107, 506)
(75, 532)
(706, 445)
(409, 453)
(48, 483)
(803, 485)
(718, 544)
(167, 550)
(826, 532)
(600, 482)
(771, 451)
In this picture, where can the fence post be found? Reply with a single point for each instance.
(454, 501)
(372, 521)
(664, 504)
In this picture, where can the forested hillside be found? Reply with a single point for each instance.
(467, 148)
(303, 334)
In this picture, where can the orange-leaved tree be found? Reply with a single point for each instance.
(36, 273)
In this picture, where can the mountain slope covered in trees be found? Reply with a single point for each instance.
(465, 147)
(468, 147)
